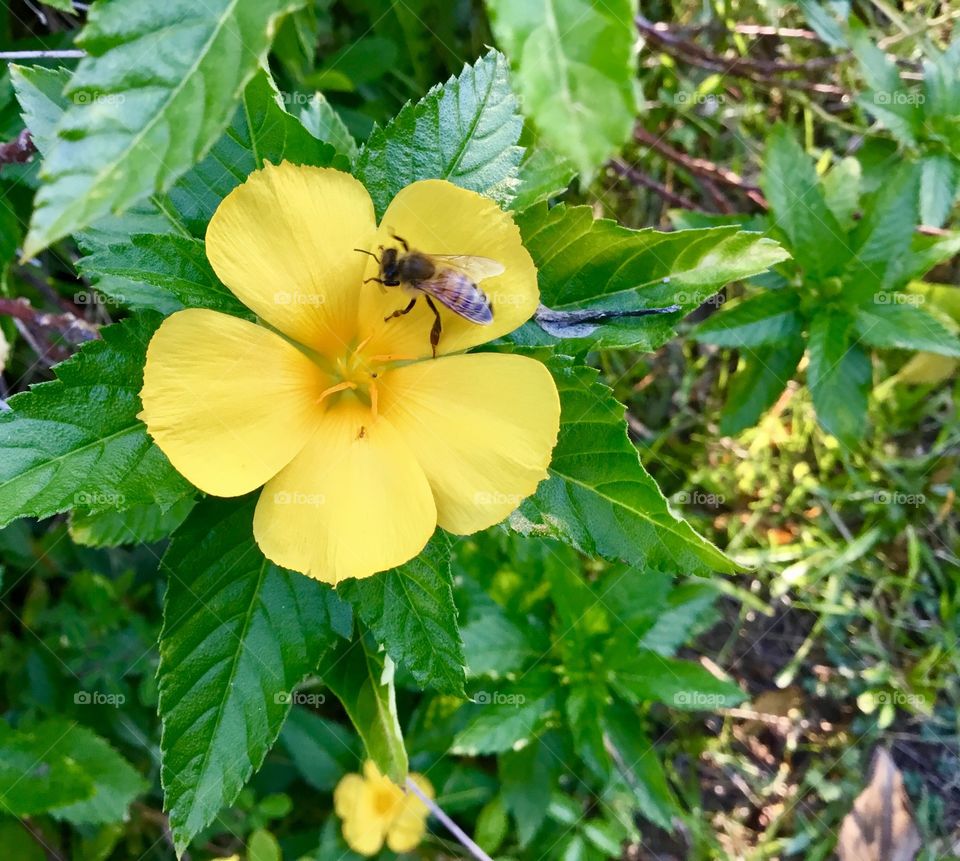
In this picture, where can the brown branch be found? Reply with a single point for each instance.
(767, 73)
(640, 178)
(699, 166)
(72, 329)
(19, 150)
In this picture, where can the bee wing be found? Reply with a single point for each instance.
(477, 268)
(460, 294)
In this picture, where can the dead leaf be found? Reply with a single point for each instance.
(880, 826)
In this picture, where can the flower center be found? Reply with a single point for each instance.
(354, 375)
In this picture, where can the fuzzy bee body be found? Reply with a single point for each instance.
(451, 279)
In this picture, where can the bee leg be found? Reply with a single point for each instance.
(402, 311)
(401, 240)
(435, 330)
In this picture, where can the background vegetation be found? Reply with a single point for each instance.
(805, 426)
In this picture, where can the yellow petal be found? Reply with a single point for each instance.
(407, 829)
(437, 217)
(364, 832)
(347, 795)
(352, 503)
(283, 243)
(229, 402)
(482, 426)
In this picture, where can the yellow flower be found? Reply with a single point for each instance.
(373, 809)
(362, 441)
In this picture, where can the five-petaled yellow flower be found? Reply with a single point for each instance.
(374, 809)
(362, 441)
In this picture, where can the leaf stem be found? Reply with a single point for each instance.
(452, 826)
(67, 54)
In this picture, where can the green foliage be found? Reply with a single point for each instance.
(574, 63)
(76, 442)
(129, 133)
(464, 131)
(599, 498)
(843, 291)
(238, 635)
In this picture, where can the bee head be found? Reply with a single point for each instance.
(390, 266)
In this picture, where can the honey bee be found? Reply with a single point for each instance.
(451, 279)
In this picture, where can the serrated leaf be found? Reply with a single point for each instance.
(574, 64)
(362, 679)
(410, 611)
(77, 441)
(638, 763)
(38, 771)
(939, 181)
(903, 326)
(598, 496)
(115, 782)
(321, 119)
(161, 272)
(839, 376)
(493, 645)
(583, 262)
(544, 173)
(238, 634)
(322, 751)
(506, 718)
(158, 87)
(761, 376)
(464, 131)
(676, 622)
(138, 524)
(799, 209)
(644, 676)
(767, 318)
(585, 705)
(40, 94)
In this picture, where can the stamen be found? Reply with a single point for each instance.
(339, 387)
(374, 397)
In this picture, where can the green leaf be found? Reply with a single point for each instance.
(598, 496)
(585, 705)
(644, 676)
(77, 441)
(839, 376)
(884, 235)
(115, 782)
(322, 751)
(637, 761)
(162, 272)
(767, 318)
(138, 524)
(685, 609)
(410, 611)
(575, 64)
(40, 94)
(321, 119)
(158, 87)
(799, 208)
(492, 825)
(939, 182)
(238, 634)
(527, 778)
(464, 131)
(762, 375)
(584, 262)
(902, 325)
(493, 645)
(263, 846)
(362, 680)
(506, 717)
(544, 174)
(841, 190)
(38, 771)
